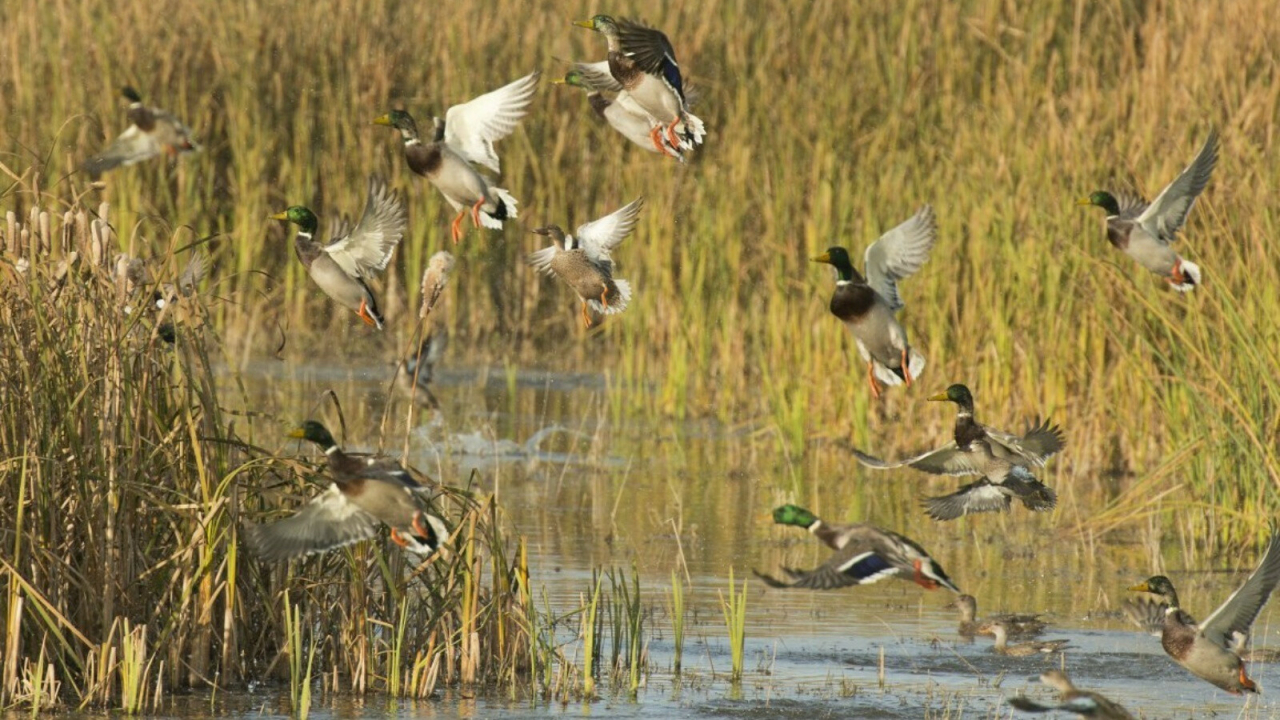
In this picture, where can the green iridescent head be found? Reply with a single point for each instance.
(300, 216)
(794, 515)
(1102, 199)
(958, 394)
(315, 432)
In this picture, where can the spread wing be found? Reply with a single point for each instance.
(541, 259)
(652, 52)
(1035, 447)
(946, 460)
(473, 127)
(1229, 624)
(978, 497)
(131, 147)
(900, 253)
(191, 275)
(327, 522)
(368, 247)
(854, 565)
(1169, 210)
(597, 76)
(600, 237)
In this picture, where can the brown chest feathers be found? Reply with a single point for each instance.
(423, 159)
(851, 301)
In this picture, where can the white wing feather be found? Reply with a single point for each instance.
(599, 237)
(369, 246)
(473, 127)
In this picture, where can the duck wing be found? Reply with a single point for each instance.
(1166, 214)
(1229, 625)
(946, 460)
(368, 247)
(328, 521)
(600, 237)
(652, 53)
(473, 127)
(899, 253)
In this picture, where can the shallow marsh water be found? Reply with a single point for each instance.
(589, 491)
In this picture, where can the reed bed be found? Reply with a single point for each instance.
(125, 481)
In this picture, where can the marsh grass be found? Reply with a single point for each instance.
(124, 488)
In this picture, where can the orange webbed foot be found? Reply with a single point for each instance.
(906, 368)
(871, 378)
(455, 229)
(475, 212)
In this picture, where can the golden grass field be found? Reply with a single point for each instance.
(828, 124)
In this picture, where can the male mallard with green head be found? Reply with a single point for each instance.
(1145, 232)
(1003, 460)
(584, 262)
(867, 305)
(643, 62)
(1072, 699)
(633, 124)
(863, 554)
(342, 265)
(151, 131)
(462, 140)
(1211, 650)
(367, 490)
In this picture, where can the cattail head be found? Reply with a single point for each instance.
(434, 279)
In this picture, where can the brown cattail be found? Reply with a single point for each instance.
(434, 279)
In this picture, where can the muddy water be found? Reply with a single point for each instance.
(589, 489)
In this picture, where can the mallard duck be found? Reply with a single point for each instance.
(1016, 625)
(863, 554)
(1211, 650)
(867, 305)
(1032, 647)
(413, 373)
(1072, 699)
(464, 138)
(1145, 232)
(1002, 459)
(151, 131)
(342, 265)
(583, 260)
(367, 490)
(643, 62)
(622, 115)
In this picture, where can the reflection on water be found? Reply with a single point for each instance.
(590, 490)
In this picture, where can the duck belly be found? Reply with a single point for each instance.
(587, 280)
(461, 184)
(342, 288)
(657, 99)
(880, 337)
(1150, 253)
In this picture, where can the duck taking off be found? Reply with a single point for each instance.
(1146, 232)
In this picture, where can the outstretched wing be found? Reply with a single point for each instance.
(946, 460)
(131, 147)
(473, 127)
(900, 253)
(327, 522)
(1035, 447)
(977, 497)
(1169, 210)
(1229, 625)
(597, 76)
(369, 246)
(652, 52)
(599, 237)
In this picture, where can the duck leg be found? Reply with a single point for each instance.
(921, 580)
(604, 299)
(475, 212)
(455, 229)
(906, 368)
(398, 539)
(1177, 277)
(871, 378)
(655, 134)
(365, 315)
(586, 319)
(671, 133)
(1245, 681)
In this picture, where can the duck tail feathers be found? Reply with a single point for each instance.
(1190, 273)
(617, 301)
(505, 210)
